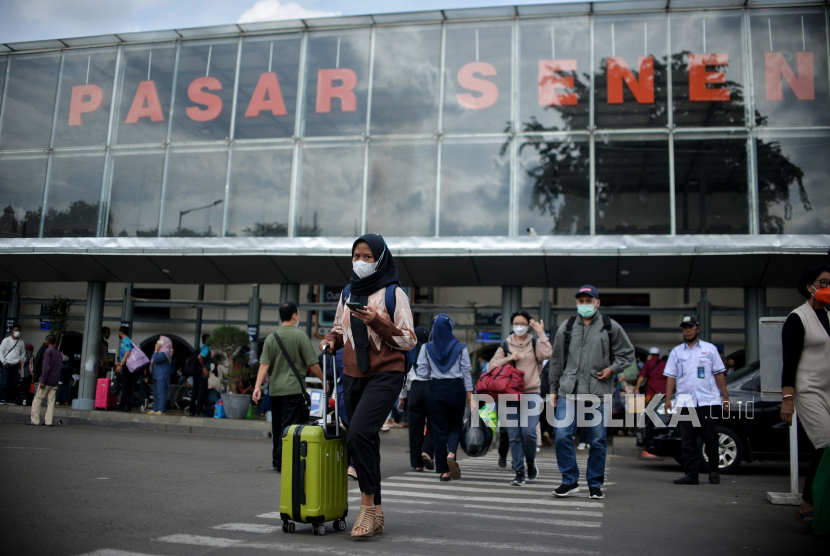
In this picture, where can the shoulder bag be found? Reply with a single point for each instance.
(306, 397)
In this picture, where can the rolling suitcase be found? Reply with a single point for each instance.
(103, 398)
(314, 484)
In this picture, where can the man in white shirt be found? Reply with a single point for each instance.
(696, 368)
(12, 351)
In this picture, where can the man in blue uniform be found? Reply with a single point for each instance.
(696, 368)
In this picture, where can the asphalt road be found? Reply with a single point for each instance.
(84, 491)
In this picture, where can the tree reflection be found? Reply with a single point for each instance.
(560, 161)
(80, 219)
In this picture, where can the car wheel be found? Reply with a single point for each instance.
(730, 450)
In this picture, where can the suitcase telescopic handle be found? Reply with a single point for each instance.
(326, 354)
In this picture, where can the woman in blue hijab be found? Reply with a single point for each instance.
(446, 363)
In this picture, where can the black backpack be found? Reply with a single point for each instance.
(192, 366)
(569, 328)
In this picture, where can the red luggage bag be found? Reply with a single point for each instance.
(103, 398)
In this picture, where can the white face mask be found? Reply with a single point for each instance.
(519, 329)
(363, 269)
(16, 333)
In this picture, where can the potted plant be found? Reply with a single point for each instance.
(225, 341)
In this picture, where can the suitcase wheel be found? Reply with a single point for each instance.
(319, 529)
(339, 524)
(290, 528)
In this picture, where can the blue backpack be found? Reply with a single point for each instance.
(389, 299)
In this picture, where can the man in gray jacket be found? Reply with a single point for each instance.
(588, 351)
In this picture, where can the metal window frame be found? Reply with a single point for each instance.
(106, 184)
(166, 144)
(51, 147)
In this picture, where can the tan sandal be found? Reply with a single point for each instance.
(379, 521)
(364, 525)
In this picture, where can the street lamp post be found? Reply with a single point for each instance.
(183, 212)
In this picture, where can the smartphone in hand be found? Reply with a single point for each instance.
(353, 305)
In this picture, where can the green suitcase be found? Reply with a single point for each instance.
(314, 484)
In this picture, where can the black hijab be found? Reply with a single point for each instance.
(385, 274)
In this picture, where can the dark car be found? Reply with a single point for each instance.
(752, 431)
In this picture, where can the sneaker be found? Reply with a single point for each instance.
(714, 478)
(2, 402)
(277, 468)
(581, 446)
(532, 470)
(686, 480)
(518, 481)
(502, 461)
(566, 490)
(595, 492)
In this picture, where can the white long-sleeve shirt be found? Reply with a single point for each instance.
(12, 350)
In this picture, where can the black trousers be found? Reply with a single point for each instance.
(418, 407)
(504, 443)
(198, 394)
(447, 398)
(815, 460)
(285, 411)
(12, 378)
(127, 384)
(368, 403)
(689, 434)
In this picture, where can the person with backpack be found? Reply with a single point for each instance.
(588, 350)
(416, 395)
(446, 364)
(374, 325)
(526, 354)
(288, 353)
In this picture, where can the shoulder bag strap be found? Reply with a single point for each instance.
(290, 362)
(11, 348)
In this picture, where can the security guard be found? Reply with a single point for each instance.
(697, 370)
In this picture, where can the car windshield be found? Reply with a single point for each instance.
(743, 371)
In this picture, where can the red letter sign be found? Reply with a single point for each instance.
(85, 98)
(146, 94)
(802, 86)
(327, 91)
(467, 79)
(699, 77)
(549, 81)
(212, 103)
(268, 86)
(618, 72)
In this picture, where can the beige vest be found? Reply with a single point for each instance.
(812, 379)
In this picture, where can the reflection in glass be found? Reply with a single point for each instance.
(631, 84)
(330, 198)
(789, 62)
(707, 68)
(21, 186)
(477, 78)
(632, 185)
(792, 185)
(195, 193)
(136, 193)
(204, 90)
(475, 189)
(402, 188)
(338, 81)
(2, 79)
(554, 92)
(710, 186)
(86, 94)
(146, 90)
(405, 87)
(267, 98)
(260, 192)
(29, 102)
(554, 194)
(74, 195)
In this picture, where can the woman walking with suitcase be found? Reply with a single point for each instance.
(374, 327)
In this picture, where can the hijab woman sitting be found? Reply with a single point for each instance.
(161, 369)
(446, 364)
(374, 365)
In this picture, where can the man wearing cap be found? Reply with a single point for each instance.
(695, 367)
(652, 373)
(588, 350)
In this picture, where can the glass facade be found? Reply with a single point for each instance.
(679, 122)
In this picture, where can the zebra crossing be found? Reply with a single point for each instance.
(481, 512)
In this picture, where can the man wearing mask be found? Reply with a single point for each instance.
(588, 350)
(697, 369)
(12, 351)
